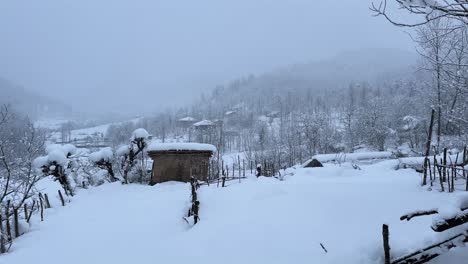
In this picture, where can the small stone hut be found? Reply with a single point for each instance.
(180, 161)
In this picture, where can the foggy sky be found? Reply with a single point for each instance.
(110, 54)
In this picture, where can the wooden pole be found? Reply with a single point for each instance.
(8, 227)
(440, 177)
(430, 172)
(25, 207)
(61, 197)
(444, 171)
(426, 168)
(386, 243)
(465, 161)
(41, 207)
(243, 168)
(428, 142)
(2, 238)
(46, 199)
(32, 211)
(16, 221)
(453, 179)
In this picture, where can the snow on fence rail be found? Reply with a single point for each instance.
(449, 169)
(344, 157)
(441, 222)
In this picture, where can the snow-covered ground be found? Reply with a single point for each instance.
(77, 134)
(260, 220)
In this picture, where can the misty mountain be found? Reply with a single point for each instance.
(31, 103)
(301, 83)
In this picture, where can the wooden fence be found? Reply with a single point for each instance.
(446, 171)
(11, 215)
(429, 252)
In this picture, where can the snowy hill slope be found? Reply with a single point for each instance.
(30, 103)
(257, 221)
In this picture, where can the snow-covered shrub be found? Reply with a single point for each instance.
(58, 163)
(104, 159)
(133, 157)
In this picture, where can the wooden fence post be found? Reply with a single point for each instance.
(424, 182)
(2, 237)
(445, 165)
(465, 161)
(25, 207)
(16, 221)
(440, 177)
(386, 243)
(243, 168)
(41, 207)
(61, 197)
(47, 203)
(8, 227)
(32, 211)
(428, 143)
(251, 167)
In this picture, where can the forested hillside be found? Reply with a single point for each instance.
(377, 99)
(30, 103)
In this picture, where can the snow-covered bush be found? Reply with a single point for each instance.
(133, 157)
(104, 159)
(58, 163)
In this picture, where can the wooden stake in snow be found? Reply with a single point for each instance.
(61, 197)
(2, 238)
(32, 211)
(445, 166)
(323, 247)
(8, 227)
(46, 199)
(25, 205)
(386, 243)
(16, 221)
(429, 138)
(42, 208)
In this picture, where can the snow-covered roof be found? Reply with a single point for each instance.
(204, 123)
(181, 146)
(187, 119)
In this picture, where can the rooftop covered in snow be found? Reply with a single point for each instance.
(187, 119)
(159, 147)
(204, 123)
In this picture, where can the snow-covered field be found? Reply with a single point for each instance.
(76, 134)
(260, 220)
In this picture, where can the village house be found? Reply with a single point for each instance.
(180, 161)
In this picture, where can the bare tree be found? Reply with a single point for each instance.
(434, 40)
(20, 144)
(425, 10)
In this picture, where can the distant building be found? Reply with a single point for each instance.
(204, 124)
(180, 161)
(205, 131)
(186, 122)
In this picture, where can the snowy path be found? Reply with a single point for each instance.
(259, 221)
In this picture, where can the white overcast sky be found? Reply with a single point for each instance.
(112, 53)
